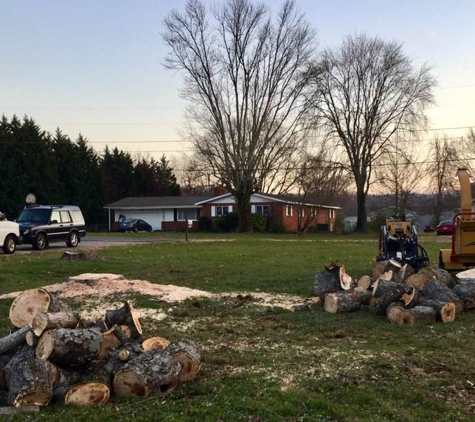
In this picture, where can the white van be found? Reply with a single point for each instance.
(9, 233)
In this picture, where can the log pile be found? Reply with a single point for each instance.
(51, 355)
(397, 292)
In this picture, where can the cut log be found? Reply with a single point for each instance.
(93, 389)
(378, 269)
(64, 380)
(385, 293)
(30, 380)
(382, 287)
(149, 374)
(14, 340)
(394, 266)
(346, 282)
(386, 276)
(398, 315)
(418, 280)
(159, 343)
(90, 323)
(327, 281)
(365, 282)
(346, 301)
(69, 346)
(128, 352)
(465, 290)
(429, 272)
(185, 352)
(46, 321)
(441, 293)
(411, 297)
(445, 312)
(31, 339)
(124, 316)
(110, 342)
(445, 278)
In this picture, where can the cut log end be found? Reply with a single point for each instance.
(87, 394)
(27, 305)
(189, 367)
(45, 346)
(160, 343)
(33, 398)
(135, 318)
(39, 323)
(128, 383)
(448, 312)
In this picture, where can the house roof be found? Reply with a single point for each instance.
(157, 202)
(275, 198)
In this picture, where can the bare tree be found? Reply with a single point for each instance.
(400, 173)
(193, 174)
(467, 152)
(367, 92)
(443, 163)
(319, 180)
(244, 80)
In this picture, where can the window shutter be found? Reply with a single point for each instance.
(230, 208)
(213, 211)
(253, 209)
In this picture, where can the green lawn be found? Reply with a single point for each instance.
(268, 364)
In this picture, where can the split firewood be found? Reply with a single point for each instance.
(111, 340)
(30, 302)
(465, 290)
(124, 316)
(398, 315)
(394, 266)
(328, 281)
(29, 380)
(155, 343)
(418, 280)
(14, 340)
(73, 347)
(365, 282)
(46, 321)
(386, 276)
(187, 354)
(151, 373)
(346, 301)
(445, 312)
(346, 282)
(439, 292)
(411, 297)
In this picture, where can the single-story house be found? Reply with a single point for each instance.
(169, 213)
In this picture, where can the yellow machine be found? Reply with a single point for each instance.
(462, 254)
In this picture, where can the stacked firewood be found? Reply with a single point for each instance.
(395, 290)
(53, 355)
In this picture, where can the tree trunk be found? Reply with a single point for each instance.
(346, 301)
(30, 380)
(361, 206)
(14, 340)
(46, 321)
(69, 347)
(244, 211)
(148, 374)
(186, 353)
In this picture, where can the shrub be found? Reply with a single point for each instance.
(227, 223)
(258, 222)
(205, 223)
(274, 225)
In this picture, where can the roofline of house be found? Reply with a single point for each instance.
(214, 198)
(154, 207)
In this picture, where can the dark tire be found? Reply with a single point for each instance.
(73, 240)
(136, 230)
(9, 246)
(149, 229)
(41, 242)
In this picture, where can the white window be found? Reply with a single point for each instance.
(222, 210)
(261, 209)
(332, 214)
(182, 215)
(288, 210)
(301, 212)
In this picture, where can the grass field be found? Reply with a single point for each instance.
(268, 364)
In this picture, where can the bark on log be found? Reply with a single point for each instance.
(90, 323)
(14, 340)
(159, 343)
(398, 315)
(378, 269)
(69, 346)
(124, 316)
(111, 340)
(64, 380)
(150, 373)
(46, 321)
(326, 282)
(441, 293)
(187, 354)
(346, 301)
(445, 278)
(466, 292)
(385, 293)
(119, 358)
(30, 380)
(445, 312)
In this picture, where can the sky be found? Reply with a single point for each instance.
(96, 67)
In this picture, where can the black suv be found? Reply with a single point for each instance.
(41, 225)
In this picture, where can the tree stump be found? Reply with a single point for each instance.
(46, 321)
(346, 301)
(185, 352)
(151, 373)
(69, 346)
(398, 315)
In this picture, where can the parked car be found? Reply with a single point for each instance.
(41, 225)
(9, 234)
(135, 225)
(445, 227)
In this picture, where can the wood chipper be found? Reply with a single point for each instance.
(462, 254)
(398, 240)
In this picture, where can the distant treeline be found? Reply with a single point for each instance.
(59, 170)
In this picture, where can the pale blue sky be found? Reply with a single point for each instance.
(95, 67)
